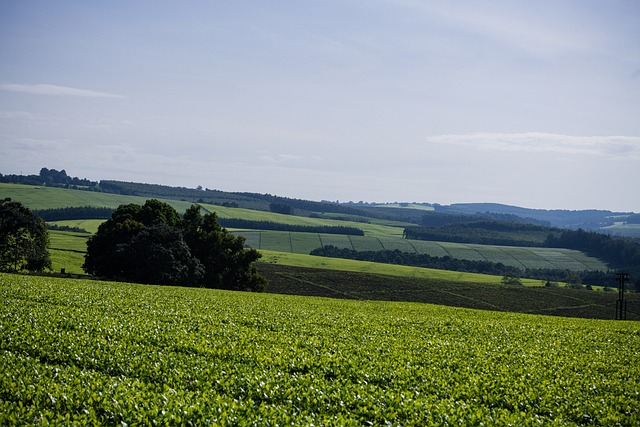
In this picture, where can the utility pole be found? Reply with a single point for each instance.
(621, 304)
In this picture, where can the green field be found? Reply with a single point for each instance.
(378, 236)
(95, 353)
(325, 263)
(521, 257)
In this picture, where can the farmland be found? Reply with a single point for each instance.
(303, 243)
(379, 235)
(98, 353)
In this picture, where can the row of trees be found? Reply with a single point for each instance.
(152, 244)
(418, 260)
(278, 226)
(80, 212)
(484, 267)
(618, 252)
(483, 232)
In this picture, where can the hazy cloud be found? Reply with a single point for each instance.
(55, 90)
(627, 147)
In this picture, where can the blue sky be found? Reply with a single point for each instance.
(535, 104)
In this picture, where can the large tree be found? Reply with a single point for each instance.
(152, 244)
(227, 264)
(24, 239)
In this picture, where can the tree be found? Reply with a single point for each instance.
(152, 244)
(227, 264)
(158, 254)
(23, 239)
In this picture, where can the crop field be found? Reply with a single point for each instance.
(341, 265)
(452, 291)
(521, 257)
(79, 352)
(377, 236)
(49, 198)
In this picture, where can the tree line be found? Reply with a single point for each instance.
(80, 212)
(50, 178)
(617, 252)
(277, 226)
(484, 232)
(470, 266)
(418, 260)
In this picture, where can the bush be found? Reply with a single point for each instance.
(511, 280)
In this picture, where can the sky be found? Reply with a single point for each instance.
(527, 103)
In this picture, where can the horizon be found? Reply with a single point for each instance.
(525, 104)
(360, 201)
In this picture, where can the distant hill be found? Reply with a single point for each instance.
(573, 219)
(604, 221)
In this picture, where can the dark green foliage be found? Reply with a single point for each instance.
(159, 255)
(398, 257)
(226, 263)
(82, 212)
(439, 219)
(618, 252)
(49, 178)
(66, 228)
(277, 226)
(152, 244)
(281, 208)
(484, 232)
(23, 239)
(418, 260)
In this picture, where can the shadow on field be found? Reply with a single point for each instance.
(364, 286)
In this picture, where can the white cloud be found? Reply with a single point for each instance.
(55, 90)
(620, 147)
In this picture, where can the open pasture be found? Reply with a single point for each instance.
(49, 198)
(79, 352)
(67, 250)
(90, 225)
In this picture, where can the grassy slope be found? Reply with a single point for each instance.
(99, 353)
(303, 243)
(67, 247)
